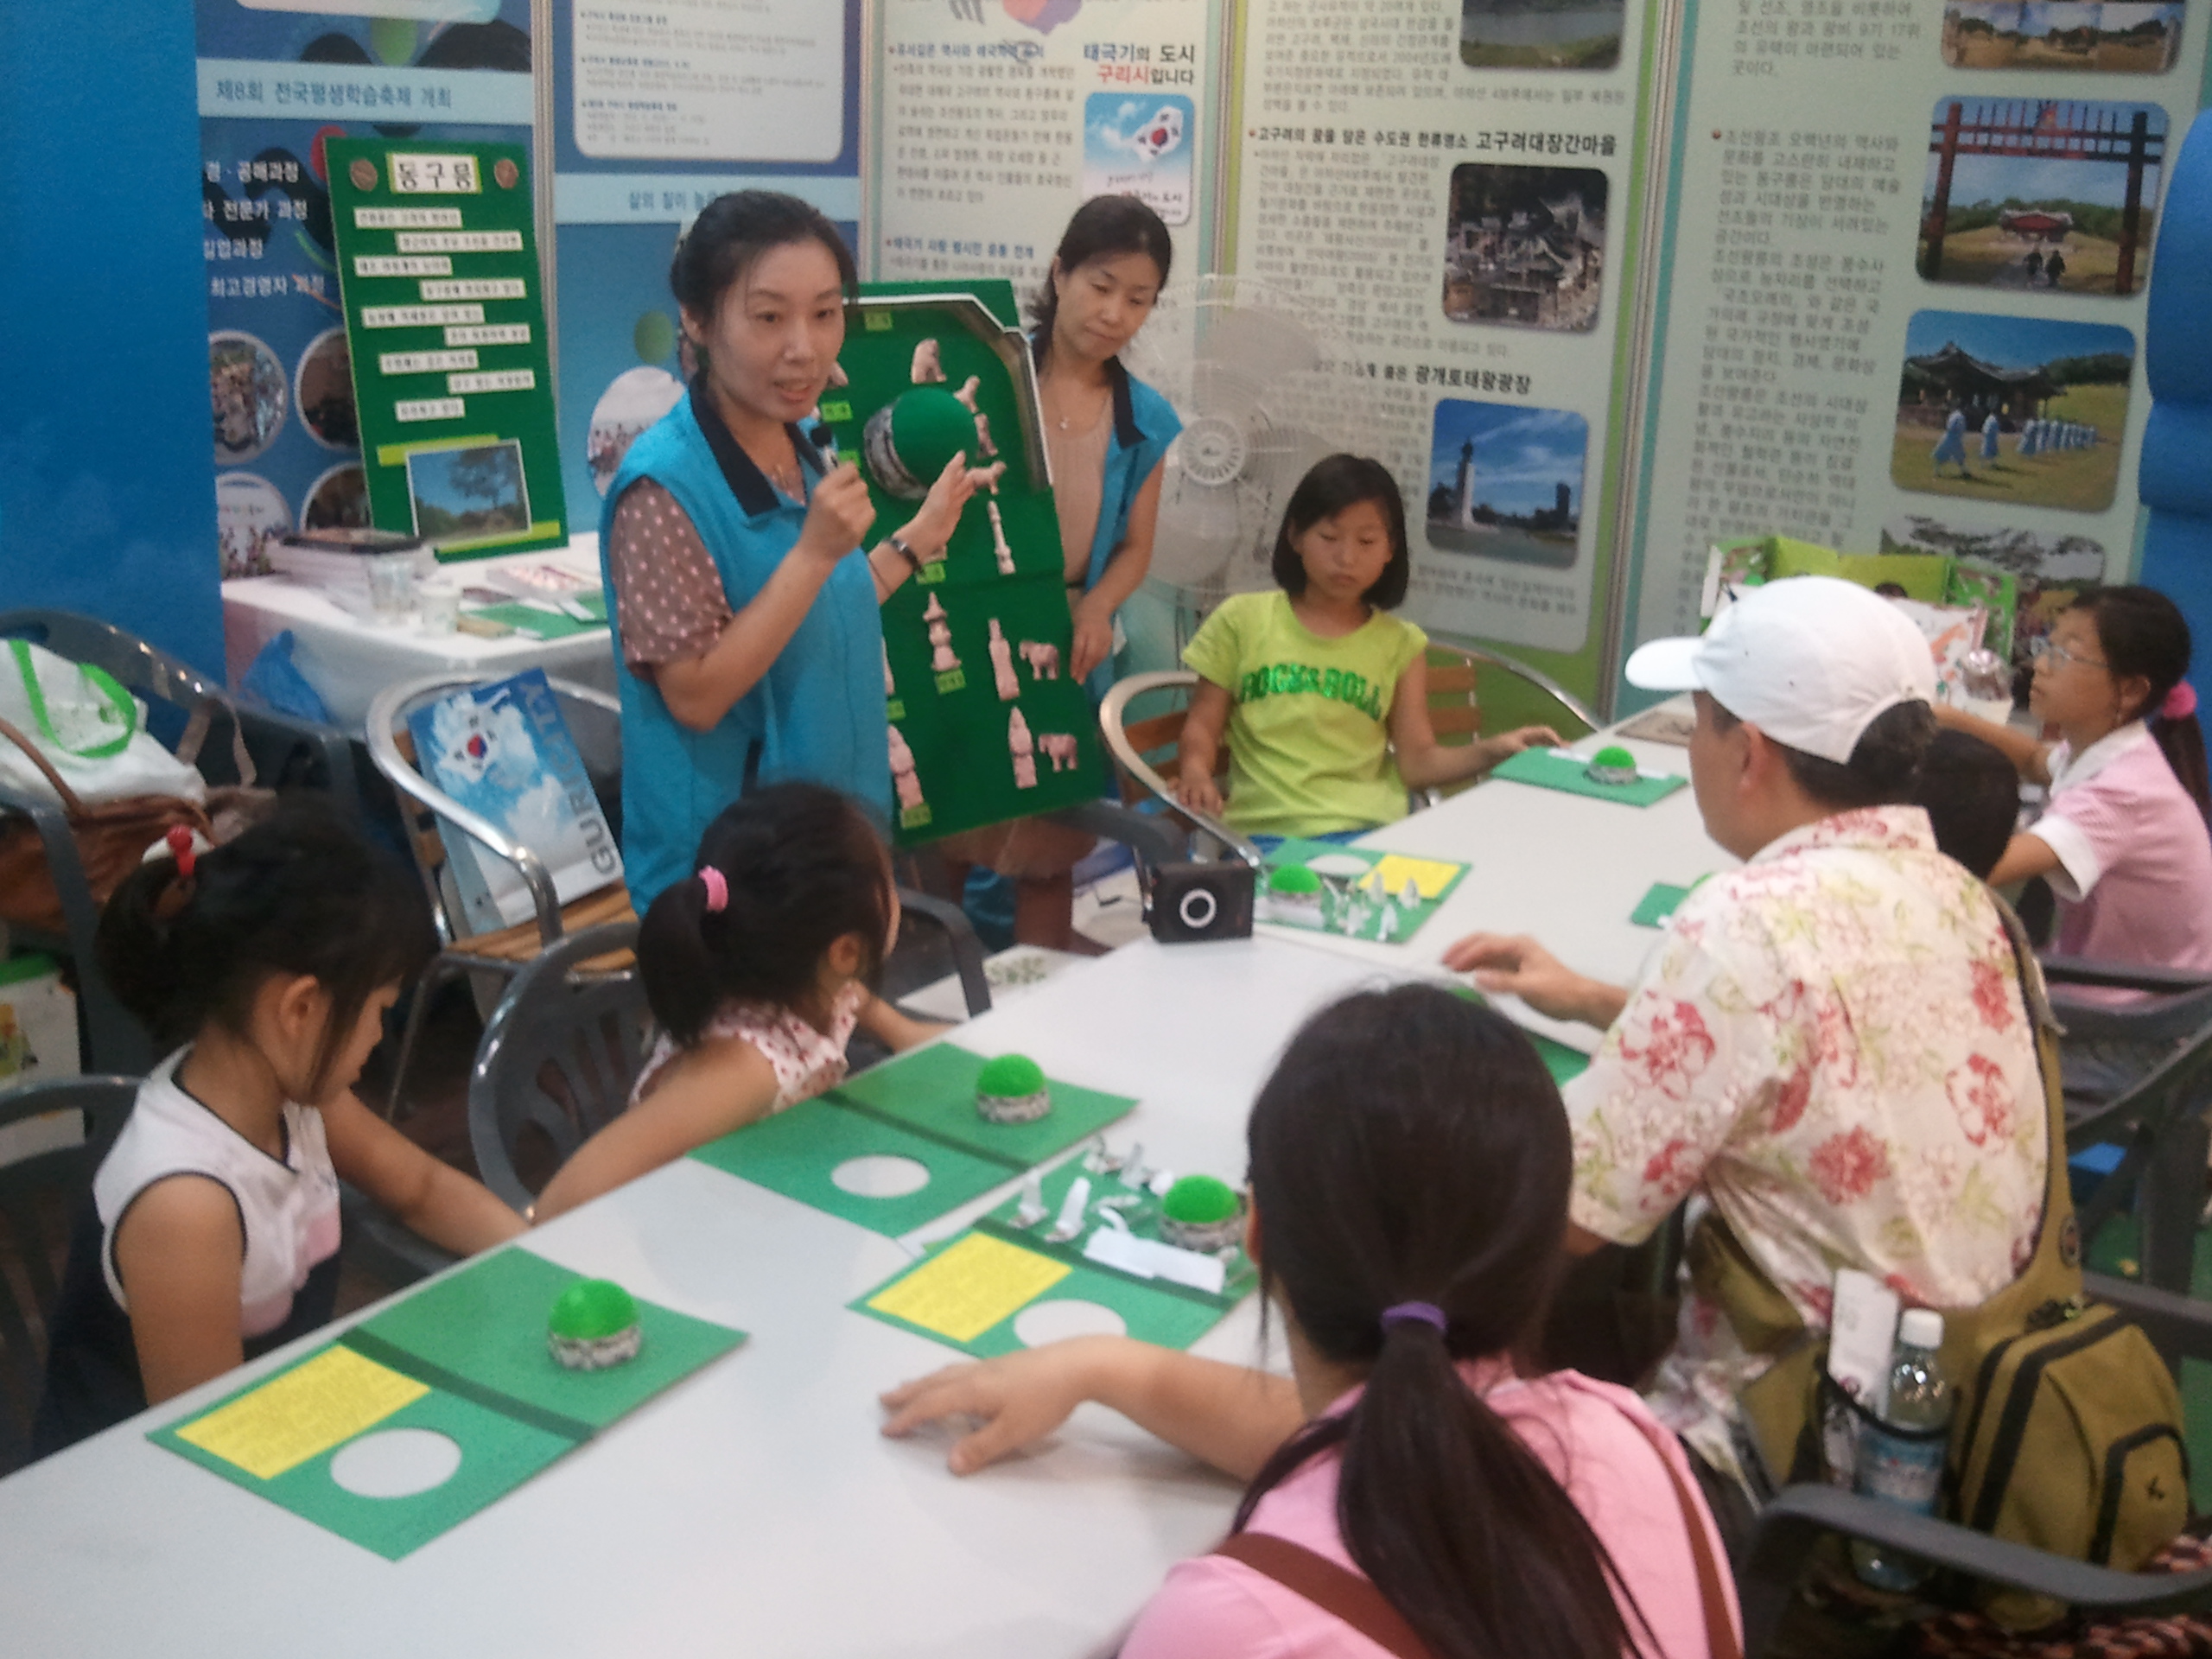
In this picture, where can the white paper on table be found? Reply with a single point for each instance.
(1150, 1258)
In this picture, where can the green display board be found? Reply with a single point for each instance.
(920, 1107)
(465, 1359)
(1355, 905)
(972, 1291)
(997, 727)
(445, 322)
(1548, 770)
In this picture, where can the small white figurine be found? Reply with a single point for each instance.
(903, 779)
(942, 660)
(983, 434)
(890, 685)
(1030, 1210)
(988, 477)
(966, 396)
(1044, 659)
(998, 540)
(1059, 749)
(927, 370)
(1023, 750)
(837, 375)
(1002, 667)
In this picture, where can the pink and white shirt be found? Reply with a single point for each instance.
(2134, 875)
(807, 1061)
(1582, 1431)
(1830, 1043)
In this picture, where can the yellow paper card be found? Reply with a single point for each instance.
(309, 1410)
(1393, 870)
(969, 1287)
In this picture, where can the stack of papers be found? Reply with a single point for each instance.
(341, 574)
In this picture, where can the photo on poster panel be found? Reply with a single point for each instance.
(2021, 410)
(2041, 194)
(1541, 34)
(1506, 482)
(2112, 37)
(1525, 246)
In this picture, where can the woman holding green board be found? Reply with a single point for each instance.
(1107, 433)
(748, 647)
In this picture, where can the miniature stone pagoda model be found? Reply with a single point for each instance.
(942, 661)
(1023, 749)
(1003, 672)
(903, 779)
(1201, 1213)
(1612, 765)
(593, 1325)
(1012, 1089)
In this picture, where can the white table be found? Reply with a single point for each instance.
(1569, 869)
(348, 658)
(753, 1509)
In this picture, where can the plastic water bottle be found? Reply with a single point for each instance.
(1906, 1468)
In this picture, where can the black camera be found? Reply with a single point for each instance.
(1193, 901)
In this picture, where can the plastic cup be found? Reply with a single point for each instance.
(437, 607)
(391, 587)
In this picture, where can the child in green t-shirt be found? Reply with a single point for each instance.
(1317, 685)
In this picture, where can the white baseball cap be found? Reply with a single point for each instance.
(1811, 661)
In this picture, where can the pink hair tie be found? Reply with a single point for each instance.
(717, 886)
(2180, 704)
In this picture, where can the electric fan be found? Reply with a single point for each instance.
(1265, 390)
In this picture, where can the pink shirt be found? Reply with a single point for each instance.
(806, 1062)
(2134, 876)
(1215, 1608)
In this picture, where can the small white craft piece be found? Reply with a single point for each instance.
(942, 660)
(837, 375)
(967, 396)
(1030, 1210)
(928, 369)
(1059, 749)
(890, 685)
(903, 780)
(1008, 683)
(988, 476)
(998, 540)
(1023, 748)
(1044, 659)
(1071, 1208)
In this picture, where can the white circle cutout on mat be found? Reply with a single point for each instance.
(395, 1463)
(1043, 1322)
(879, 1175)
(1342, 867)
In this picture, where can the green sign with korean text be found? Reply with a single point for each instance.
(446, 325)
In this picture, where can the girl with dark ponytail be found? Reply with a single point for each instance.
(2124, 840)
(757, 970)
(266, 966)
(1410, 1163)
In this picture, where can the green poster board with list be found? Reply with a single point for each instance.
(445, 322)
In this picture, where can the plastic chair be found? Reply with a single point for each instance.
(278, 748)
(504, 952)
(52, 1138)
(566, 1043)
(1135, 746)
(1472, 692)
(1791, 1524)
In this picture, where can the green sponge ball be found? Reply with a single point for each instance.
(1010, 1074)
(1613, 755)
(1612, 765)
(1293, 878)
(1200, 1200)
(912, 439)
(591, 1309)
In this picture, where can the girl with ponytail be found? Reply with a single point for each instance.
(757, 970)
(265, 967)
(1410, 1162)
(2124, 840)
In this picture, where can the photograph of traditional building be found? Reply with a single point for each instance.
(1525, 246)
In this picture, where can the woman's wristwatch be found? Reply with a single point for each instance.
(897, 545)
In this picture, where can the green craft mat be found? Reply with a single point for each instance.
(485, 1327)
(794, 1152)
(1657, 905)
(476, 1343)
(1169, 1316)
(1143, 1220)
(932, 1091)
(1295, 851)
(497, 1453)
(546, 625)
(1549, 770)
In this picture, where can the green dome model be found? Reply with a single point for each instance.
(1012, 1089)
(1199, 1199)
(913, 438)
(1612, 764)
(1293, 878)
(593, 1324)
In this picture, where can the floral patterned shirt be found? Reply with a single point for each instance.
(1831, 1045)
(807, 1062)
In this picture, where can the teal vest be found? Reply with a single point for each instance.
(817, 714)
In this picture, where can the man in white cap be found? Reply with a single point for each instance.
(1828, 1043)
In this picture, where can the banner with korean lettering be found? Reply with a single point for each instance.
(1457, 186)
(656, 112)
(274, 86)
(1904, 252)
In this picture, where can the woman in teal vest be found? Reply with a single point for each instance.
(1108, 433)
(748, 646)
